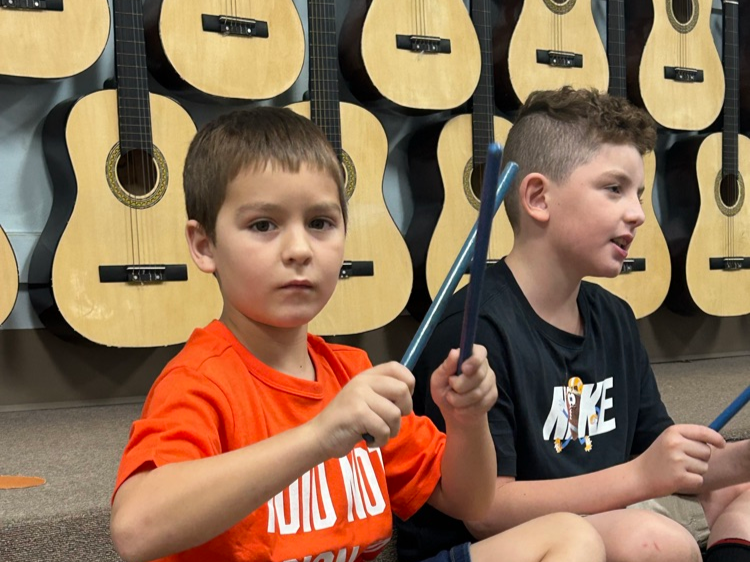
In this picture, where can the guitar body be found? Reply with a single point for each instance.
(185, 58)
(8, 277)
(363, 303)
(376, 68)
(461, 207)
(90, 227)
(49, 44)
(719, 233)
(644, 295)
(681, 42)
(546, 25)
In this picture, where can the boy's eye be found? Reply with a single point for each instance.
(320, 223)
(614, 188)
(261, 226)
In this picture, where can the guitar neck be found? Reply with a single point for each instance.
(616, 47)
(134, 111)
(483, 132)
(324, 84)
(729, 154)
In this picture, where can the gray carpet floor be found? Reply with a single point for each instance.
(77, 451)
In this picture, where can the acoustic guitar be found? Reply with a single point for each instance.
(718, 256)
(680, 78)
(376, 277)
(645, 276)
(446, 170)
(554, 43)
(213, 49)
(51, 39)
(418, 55)
(112, 264)
(8, 277)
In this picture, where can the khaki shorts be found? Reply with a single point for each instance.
(685, 510)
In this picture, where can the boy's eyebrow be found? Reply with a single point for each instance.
(265, 207)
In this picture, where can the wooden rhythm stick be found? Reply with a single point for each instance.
(497, 185)
(731, 410)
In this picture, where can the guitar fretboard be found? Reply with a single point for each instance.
(729, 163)
(134, 112)
(616, 47)
(483, 131)
(324, 84)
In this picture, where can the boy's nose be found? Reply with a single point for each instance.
(297, 246)
(635, 213)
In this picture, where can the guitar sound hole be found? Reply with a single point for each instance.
(683, 10)
(137, 172)
(729, 190)
(477, 177)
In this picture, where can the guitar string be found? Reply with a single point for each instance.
(145, 147)
(129, 168)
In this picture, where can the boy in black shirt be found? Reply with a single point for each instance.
(579, 424)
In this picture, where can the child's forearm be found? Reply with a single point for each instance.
(468, 472)
(182, 505)
(728, 466)
(516, 502)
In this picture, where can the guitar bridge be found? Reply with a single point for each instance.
(729, 264)
(423, 44)
(142, 274)
(49, 5)
(559, 59)
(236, 27)
(631, 265)
(682, 74)
(356, 269)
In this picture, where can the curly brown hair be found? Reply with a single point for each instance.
(251, 139)
(556, 131)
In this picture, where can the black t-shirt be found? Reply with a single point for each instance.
(567, 404)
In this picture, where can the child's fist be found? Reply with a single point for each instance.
(466, 398)
(371, 403)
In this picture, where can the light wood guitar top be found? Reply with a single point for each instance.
(688, 105)
(421, 80)
(719, 232)
(102, 230)
(49, 44)
(553, 25)
(232, 66)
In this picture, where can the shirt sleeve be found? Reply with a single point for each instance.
(413, 464)
(185, 417)
(653, 417)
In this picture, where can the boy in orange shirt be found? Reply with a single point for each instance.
(250, 444)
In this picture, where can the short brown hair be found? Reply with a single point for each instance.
(556, 131)
(252, 139)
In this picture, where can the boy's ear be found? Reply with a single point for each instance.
(533, 193)
(201, 247)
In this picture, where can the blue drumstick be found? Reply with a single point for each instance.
(429, 322)
(479, 260)
(731, 410)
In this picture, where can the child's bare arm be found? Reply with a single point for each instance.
(469, 465)
(676, 461)
(181, 505)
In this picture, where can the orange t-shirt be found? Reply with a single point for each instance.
(215, 396)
